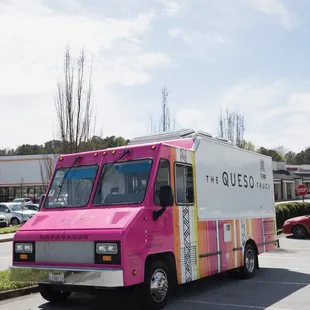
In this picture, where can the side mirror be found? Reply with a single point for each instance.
(41, 201)
(8, 211)
(166, 199)
(166, 196)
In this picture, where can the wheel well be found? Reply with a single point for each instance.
(166, 257)
(252, 242)
(299, 224)
(14, 217)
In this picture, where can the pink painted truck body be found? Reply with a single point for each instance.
(193, 240)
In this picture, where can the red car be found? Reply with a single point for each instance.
(298, 226)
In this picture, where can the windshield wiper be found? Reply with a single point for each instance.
(104, 172)
(66, 174)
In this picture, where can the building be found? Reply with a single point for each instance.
(286, 178)
(25, 176)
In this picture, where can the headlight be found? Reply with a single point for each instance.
(287, 222)
(106, 248)
(23, 248)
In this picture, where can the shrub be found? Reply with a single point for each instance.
(285, 211)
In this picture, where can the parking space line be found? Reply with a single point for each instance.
(5, 257)
(275, 282)
(220, 304)
(289, 257)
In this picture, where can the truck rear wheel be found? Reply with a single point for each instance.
(250, 262)
(50, 295)
(156, 286)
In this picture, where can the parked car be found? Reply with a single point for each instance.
(16, 213)
(19, 200)
(298, 226)
(4, 222)
(32, 206)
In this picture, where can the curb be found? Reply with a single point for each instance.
(6, 240)
(280, 231)
(18, 292)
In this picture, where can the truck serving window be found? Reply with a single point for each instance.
(184, 184)
(162, 178)
(71, 187)
(123, 183)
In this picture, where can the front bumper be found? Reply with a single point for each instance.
(68, 276)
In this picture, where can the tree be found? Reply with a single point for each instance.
(290, 158)
(272, 153)
(247, 145)
(231, 127)
(73, 104)
(165, 119)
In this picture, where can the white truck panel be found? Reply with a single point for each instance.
(232, 183)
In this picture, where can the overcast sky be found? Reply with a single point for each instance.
(249, 55)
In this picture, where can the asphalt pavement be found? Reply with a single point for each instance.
(282, 283)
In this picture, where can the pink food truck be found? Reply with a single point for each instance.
(166, 209)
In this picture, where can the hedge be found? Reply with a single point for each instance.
(285, 211)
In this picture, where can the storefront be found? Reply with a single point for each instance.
(24, 176)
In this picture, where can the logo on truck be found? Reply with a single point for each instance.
(235, 179)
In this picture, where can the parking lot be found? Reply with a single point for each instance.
(282, 283)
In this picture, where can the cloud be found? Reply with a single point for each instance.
(199, 45)
(275, 113)
(276, 9)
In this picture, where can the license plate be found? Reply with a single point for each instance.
(56, 277)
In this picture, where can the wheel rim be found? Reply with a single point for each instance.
(299, 231)
(159, 285)
(15, 222)
(250, 261)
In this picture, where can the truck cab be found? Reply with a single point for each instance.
(103, 223)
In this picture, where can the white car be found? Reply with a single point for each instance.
(4, 222)
(16, 213)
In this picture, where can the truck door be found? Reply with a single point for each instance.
(185, 216)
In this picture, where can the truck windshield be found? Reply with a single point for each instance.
(123, 182)
(71, 187)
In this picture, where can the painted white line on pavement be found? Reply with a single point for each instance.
(289, 257)
(5, 257)
(275, 282)
(231, 305)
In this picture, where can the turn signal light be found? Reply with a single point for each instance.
(107, 258)
(23, 256)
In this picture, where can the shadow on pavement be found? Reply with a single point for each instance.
(268, 287)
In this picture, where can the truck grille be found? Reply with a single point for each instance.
(65, 252)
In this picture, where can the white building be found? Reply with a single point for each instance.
(24, 176)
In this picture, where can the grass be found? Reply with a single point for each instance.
(7, 285)
(9, 230)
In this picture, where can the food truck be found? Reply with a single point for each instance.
(164, 210)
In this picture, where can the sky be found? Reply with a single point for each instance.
(250, 56)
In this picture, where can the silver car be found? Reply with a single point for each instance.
(16, 213)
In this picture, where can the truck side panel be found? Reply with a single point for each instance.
(209, 237)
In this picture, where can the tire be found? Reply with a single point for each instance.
(15, 221)
(249, 262)
(156, 274)
(300, 232)
(48, 294)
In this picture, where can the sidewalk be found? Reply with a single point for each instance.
(6, 237)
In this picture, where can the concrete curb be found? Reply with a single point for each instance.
(19, 292)
(280, 231)
(6, 240)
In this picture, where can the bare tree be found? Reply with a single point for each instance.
(73, 103)
(231, 127)
(46, 168)
(164, 123)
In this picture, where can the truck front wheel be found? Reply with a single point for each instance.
(156, 286)
(50, 295)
